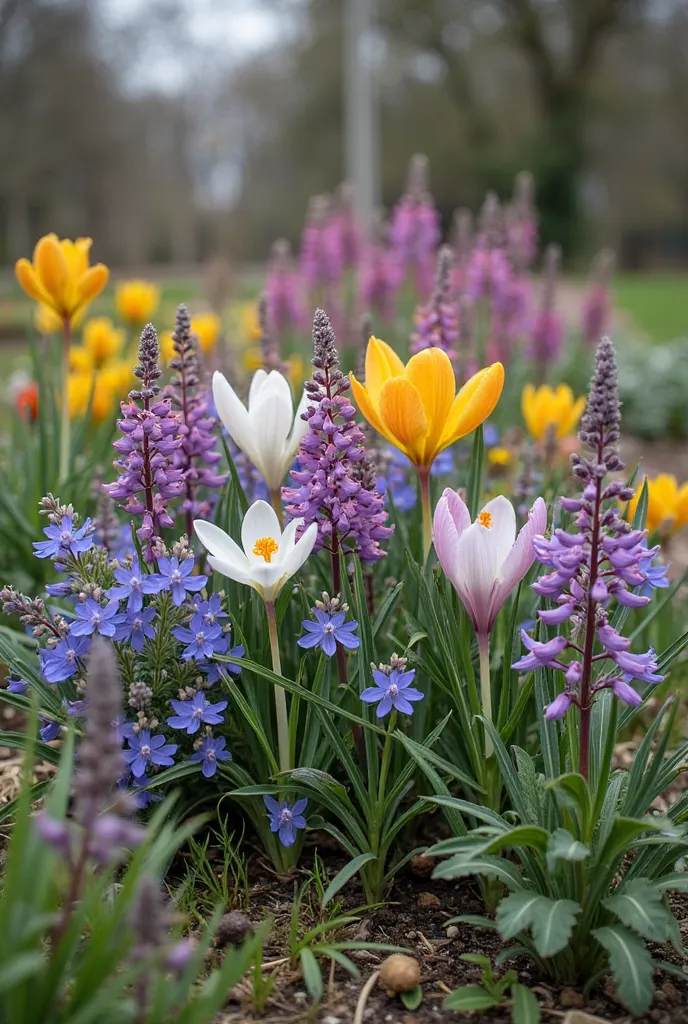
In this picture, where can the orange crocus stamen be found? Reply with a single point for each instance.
(265, 548)
(485, 519)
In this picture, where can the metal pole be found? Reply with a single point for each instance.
(360, 105)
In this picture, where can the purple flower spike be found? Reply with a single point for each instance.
(178, 578)
(190, 713)
(559, 706)
(209, 753)
(145, 749)
(392, 691)
(285, 820)
(542, 655)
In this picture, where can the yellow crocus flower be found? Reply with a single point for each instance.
(102, 339)
(60, 276)
(250, 323)
(118, 376)
(167, 352)
(499, 456)
(80, 360)
(79, 388)
(137, 301)
(48, 322)
(545, 408)
(207, 328)
(414, 406)
(667, 504)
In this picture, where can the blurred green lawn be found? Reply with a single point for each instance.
(655, 304)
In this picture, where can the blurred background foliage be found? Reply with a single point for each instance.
(173, 129)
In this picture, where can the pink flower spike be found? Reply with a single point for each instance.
(485, 560)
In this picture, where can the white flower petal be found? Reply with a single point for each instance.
(233, 414)
(300, 428)
(220, 544)
(271, 421)
(301, 550)
(502, 529)
(288, 539)
(260, 521)
(476, 573)
(229, 569)
(257, 381)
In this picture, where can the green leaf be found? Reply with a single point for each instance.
(676, 882)
(631, 966)
(639, 906)
(469, 997)
(476, 473)
(563, 846)
(550, 921)
(552, 927)
(525, 1008)
(312, 976)
(343, 876)
(516, 912)
(412, 999)
(490, 867)
(479, 959)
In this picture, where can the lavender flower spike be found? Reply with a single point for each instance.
(334, 489)
(151, 436)
(601, 560)
(437, 323)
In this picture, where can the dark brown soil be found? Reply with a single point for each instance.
(415, 918)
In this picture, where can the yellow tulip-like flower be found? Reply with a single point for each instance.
(166, 340)
(547, 408)
(249, 322)
(667, 504)
(501, 457)
(137, 301)
(102, 339)
(60, 276)
(118, 376)
(80, 360)
(414, 406)
(80, 387)
(207, 328)
(295, 371)
(48, 322)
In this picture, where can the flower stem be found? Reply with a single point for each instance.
(590, 627)
(65, 422)
(280, 695)
(276, 499)
(386, 754)
(424, 478)
(485, 685)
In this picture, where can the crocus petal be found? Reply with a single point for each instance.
(219, 543)
(51, 266)
(91, 284)
(300, 427)
(520, 558)
(30, 282)
(403, 415)
(288, 539)
(370, 411)
(381, 363)
(233, 414)
(271, 419)
(431, 373)
(476, 574)
(502, 527)
(232, 570)
(260, 521)
(301, 551)
(257, 381)
(474, 403)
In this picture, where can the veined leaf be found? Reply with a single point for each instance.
(516, 912)
(553, 924)
(469, 997)
(639, 906)
(676, 882)
(563, 846)
(525, 1008)
(631, 965)
(490, 867)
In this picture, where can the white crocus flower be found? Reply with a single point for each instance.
(269, 557)
(267, 431)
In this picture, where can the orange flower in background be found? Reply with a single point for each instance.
(137, 301)
(102, 340)
(207, 328)
(26, 401)
(60, 276)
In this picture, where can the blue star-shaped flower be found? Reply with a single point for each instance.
(133, 584)
(145, 749)
(178, 578)
(209, 753)
(285, 820)
(134, 627)
(63, 539)
(60, 662)
(190, 713)
(94, 618)
(393, 691)
(202, 640)
(328, 631)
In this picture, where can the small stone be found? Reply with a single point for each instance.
(300, 996)
(232, 930)
(422, 865)
(580, 1017)
(452, 931)
(571, 999)
(428, 901)
(411, 935)
(400, 973)
(331, 1020)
